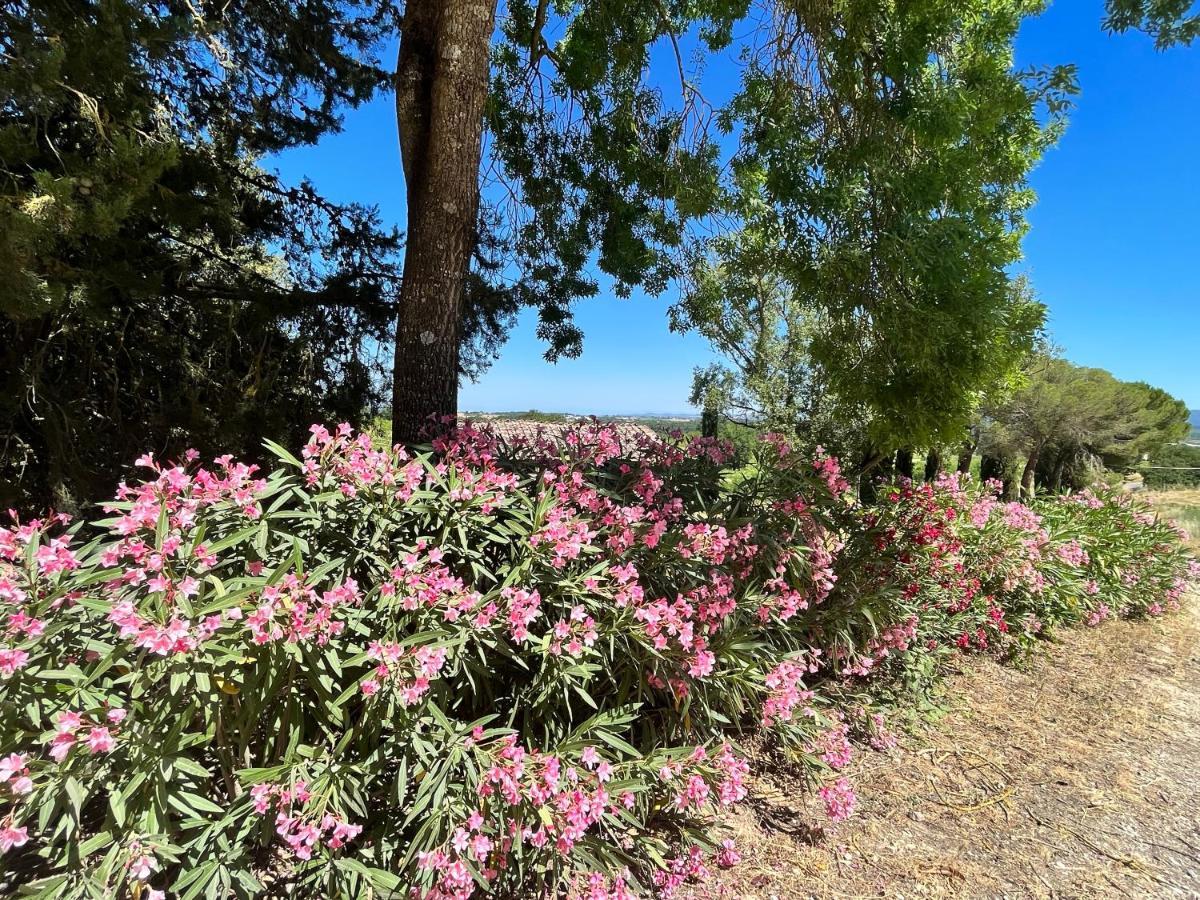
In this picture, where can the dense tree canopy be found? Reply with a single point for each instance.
(1063, 415)
(881, 186)
(161, 289)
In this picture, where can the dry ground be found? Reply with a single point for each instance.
(1183, 506)
(1078, 776)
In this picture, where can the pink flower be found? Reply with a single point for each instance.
(142, 867)
(728, 856)
(702, 664)
(11, 765)
(60, 745)
(839, 799)
(12, 836)
(481, 845)
(116, 716)
(12, 659)
(99, 740)
(69, 721)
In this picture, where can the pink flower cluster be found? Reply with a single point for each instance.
(179, 635)
(548, 805)
(181, 493)
(689, 866)
(14, 772)
(421, 581)
(893, 639)
(302, 833)
(829, 470)
(881, 737)
(1072, 553)
(1022, 517)
(406, 672)
(833, 746)
(839, 799)
(566, 535)
(673, 623)
(73, 729)
(786, 692)
(598, 886)
(52, 558)
(572, 634)
(293, 611)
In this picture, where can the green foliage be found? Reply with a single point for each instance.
(1172, 465)
(160, 288)
(978, 573)
(880, 188)
(1169, 22)
(603, 167)
(1064, 415)
(367, 641)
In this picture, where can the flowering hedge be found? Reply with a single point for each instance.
(516, 671)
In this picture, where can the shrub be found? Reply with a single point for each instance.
(1173, 466)
(520, 671)
(977, 573)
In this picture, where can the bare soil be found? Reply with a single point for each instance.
(1076, 775)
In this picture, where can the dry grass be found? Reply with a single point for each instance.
(1075, 777)
(1183, 507)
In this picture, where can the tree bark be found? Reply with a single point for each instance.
(1008, 493)
(904, 463)
(964, 457)
(933, 464)
(1060, 467)
(441, 94)
(1027, 473)
(867, 475)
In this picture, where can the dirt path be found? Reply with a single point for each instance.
(1077, 777)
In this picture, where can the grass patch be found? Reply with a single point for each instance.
(1183, 508)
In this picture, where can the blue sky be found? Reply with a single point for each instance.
(1114, 248)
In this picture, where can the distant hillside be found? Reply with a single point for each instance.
(1194, 418)
(663, 423)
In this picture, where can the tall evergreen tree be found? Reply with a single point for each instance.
(160, 288)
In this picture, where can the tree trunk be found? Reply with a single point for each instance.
(1007, 492)
(933, 464)
(1060, 468)
(441, 93)
(1027, 473)
(965, 455)
(904, 463)
(867, 475)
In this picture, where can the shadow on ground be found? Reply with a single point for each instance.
(1078, 776)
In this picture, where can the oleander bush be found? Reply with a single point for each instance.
(975, 573)
(516, 671)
